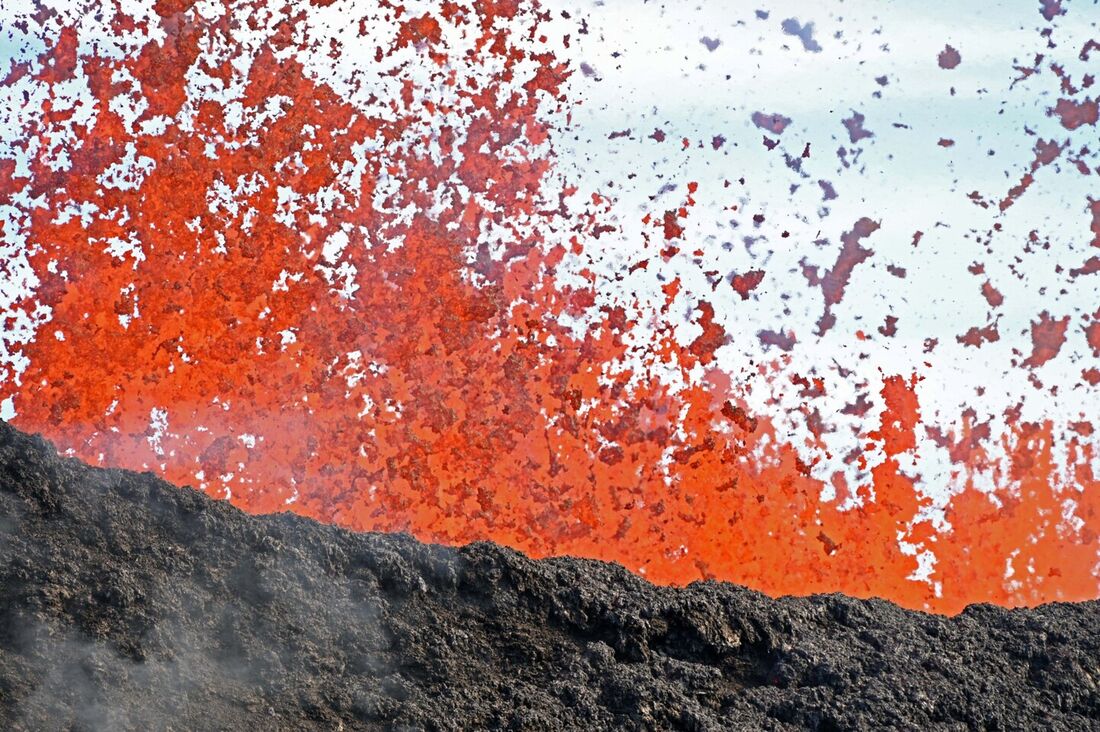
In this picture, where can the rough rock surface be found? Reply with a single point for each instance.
(127, 603)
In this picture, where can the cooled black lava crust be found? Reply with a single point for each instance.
(127, 603)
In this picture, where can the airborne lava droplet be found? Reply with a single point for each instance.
(774, 123)
(1047, 337)
(1074, 114)
(712, 338)
(835, 280)
(745, 283)
(949, 58)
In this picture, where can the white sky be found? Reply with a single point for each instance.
(651, 70)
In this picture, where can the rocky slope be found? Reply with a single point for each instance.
(128, 603)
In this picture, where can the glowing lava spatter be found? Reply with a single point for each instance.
(345, 294)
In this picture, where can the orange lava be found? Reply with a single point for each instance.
(441, 396)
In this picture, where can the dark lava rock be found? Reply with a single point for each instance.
(127, 603)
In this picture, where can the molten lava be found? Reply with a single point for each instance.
(358, 297)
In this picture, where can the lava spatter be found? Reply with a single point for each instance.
(333, 258)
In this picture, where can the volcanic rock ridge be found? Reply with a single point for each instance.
(128, 603)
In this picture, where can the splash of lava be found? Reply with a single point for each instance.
(321, 258)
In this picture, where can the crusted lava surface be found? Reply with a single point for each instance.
(128, 603)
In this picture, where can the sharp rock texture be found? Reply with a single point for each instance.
(127, 603)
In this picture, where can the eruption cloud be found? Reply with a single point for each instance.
(462, 269)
